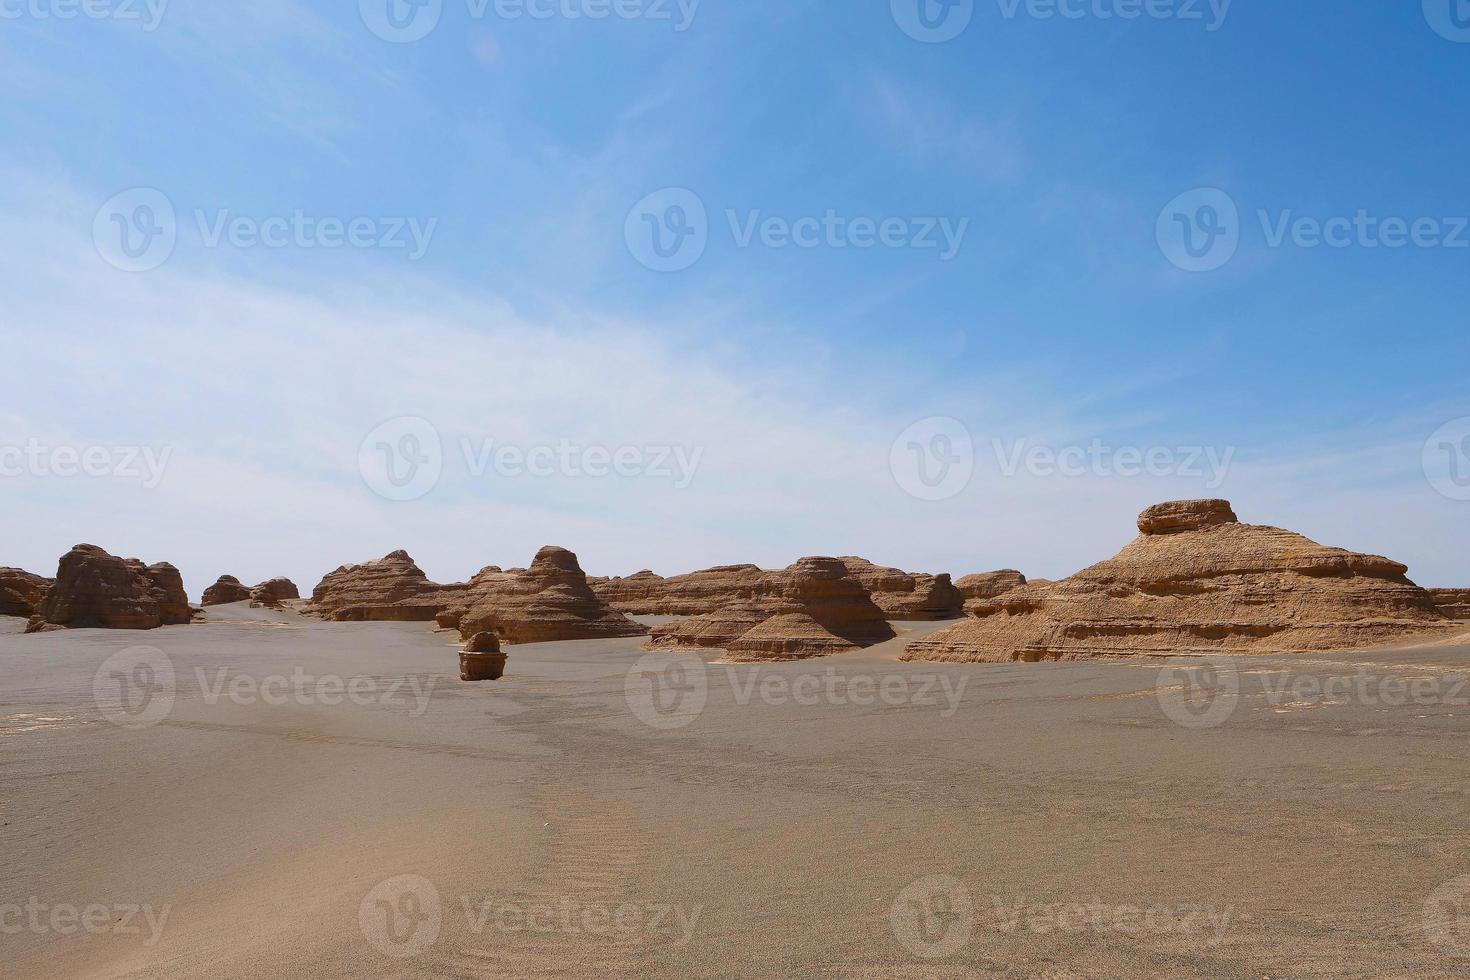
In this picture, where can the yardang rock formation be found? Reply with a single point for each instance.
(21, 592)
(96, 589)
(1196, 580)
(551, 600)
(813, 608)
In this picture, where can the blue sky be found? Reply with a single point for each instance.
(1059, 320)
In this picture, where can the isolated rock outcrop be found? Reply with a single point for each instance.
(1196, 580)
(1454, 603)
(813, 608)
(482, 659)
(907, 595)
(21, 592)
(96, 589)
(274, 593)
(227, 589)
(647, 594)
(988, 585)
(392, 589)
(551, 600)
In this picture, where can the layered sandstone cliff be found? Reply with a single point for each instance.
(1196, 580)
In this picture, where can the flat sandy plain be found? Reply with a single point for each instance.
(599, 814)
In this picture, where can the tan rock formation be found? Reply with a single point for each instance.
(226, 589)
(1196, 580)
(907, 595)
(988, 585)
(482, 659)
(549, 601)
(813, 608)
(1454, 603)
(647, 594)
(96, 589)
(21, 592)
(273, 594)
(392, 589)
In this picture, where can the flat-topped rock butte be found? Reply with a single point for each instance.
(1197, 580)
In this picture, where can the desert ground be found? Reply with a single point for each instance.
(604, 811)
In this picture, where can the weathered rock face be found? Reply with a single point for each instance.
(988, 585)
(393, 589)
(1454, 603)
(549, 601)
(648, 594)
(21, 592)
(227, 589)
(907, 596)
(813, 608)
(1196, 580)
(96, 589)
(274, 593)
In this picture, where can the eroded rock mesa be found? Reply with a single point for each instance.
(813, 608)
(907, 595)
(226, 589)
(647, 594)
(96, 589)
(1196, 580)
(392, 589)
(274, 593)
(21, 592)
(551, 600)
